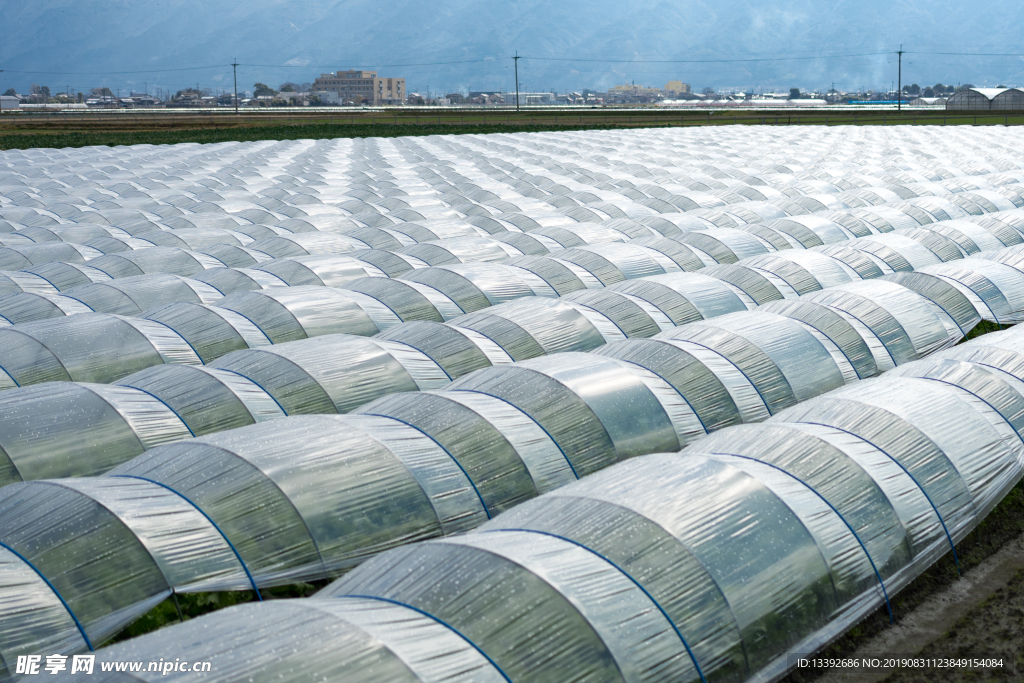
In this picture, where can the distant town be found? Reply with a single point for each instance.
(354, 88)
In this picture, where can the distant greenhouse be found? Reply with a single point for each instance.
(987, 99)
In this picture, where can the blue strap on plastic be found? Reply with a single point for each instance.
(11, 376)
(209, 519)
(433, 618)
(678, 393)
(574, 304)
(154, 396)
(415, 348)
(738, 369)
(628, 576)
(868, 327)
(250, 379)
(827, 336)
(826, 501)
(994, 409)
(940, 306)
(912, 477)
(454, 459)
(180, 335)
(553, 439)
(56, 592)
(240, 315)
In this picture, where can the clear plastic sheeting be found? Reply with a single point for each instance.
(206, 399)
(726, 245)
(685, 297)
(59, 275)
(505, 436)
(463, 250)
(305, 497)
(882, 256)
(785, 361)
(26, 307)
(163, 542)
(475, 286)
(814, 231)
(209, 331)
(633, 260)
(100, 426)
(334, 373)
(610, 263)
(964, 479)
(757, 287)
(457, 350)
(19, 257)
(282, 246)
(13, 282)
(236, 257)
(90, 347)
(948, 299)
(290, 313)
(393, 264)
(859, 345)
(528, 328)
(196, 238)
(456, 282)
(803, 271)
(93, 428)
(337, 373)
(908, 325)
(340, 640)
(408, 299)
(231, 280)
(995, 290)
(633, 316)
(35, 620)
(1001, 352)
(133, 295)
(329, 270)
(562, 276)
(850, 495)
(971, 238)
(579, 400)
(171, 260)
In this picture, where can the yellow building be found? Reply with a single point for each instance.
(634, 91)
(362, 86)
(677, 87)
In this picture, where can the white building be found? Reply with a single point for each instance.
(328, 96)
(8, 103)
(526, 98)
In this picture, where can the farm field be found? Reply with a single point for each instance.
(533, 400)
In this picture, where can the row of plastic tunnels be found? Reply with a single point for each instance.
(197, 446)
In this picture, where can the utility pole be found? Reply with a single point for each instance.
(234, 68)
(516, 62)
(899, 86)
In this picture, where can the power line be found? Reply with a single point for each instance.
(112, 73)
(367, 66)
(701, 61)
(968, 54)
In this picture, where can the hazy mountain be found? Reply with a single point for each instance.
(88, 40)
